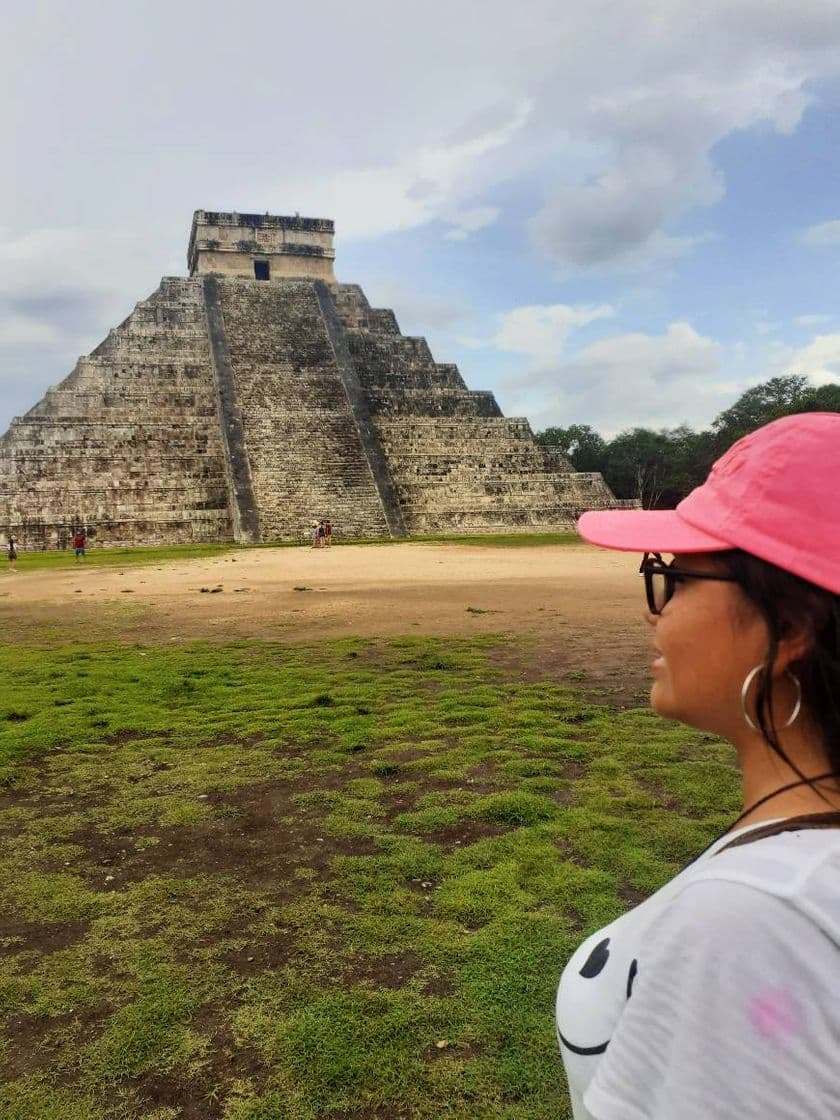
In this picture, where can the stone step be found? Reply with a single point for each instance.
(357, 314)
(429, 403)
(448, 376)
(489, 426)
(498, 459)
(302, 442)
(482, 483)
(558, 519)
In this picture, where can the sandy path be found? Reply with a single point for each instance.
(359, 589)
(581, 606)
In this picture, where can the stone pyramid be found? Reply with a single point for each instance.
(258, 394)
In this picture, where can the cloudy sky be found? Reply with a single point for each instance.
(611, 213)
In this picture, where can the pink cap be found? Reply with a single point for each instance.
(775, 493)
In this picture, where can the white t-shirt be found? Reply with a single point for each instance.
(718, 998)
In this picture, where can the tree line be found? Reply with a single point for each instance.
(660, 467)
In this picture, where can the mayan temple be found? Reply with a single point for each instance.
(257, 394)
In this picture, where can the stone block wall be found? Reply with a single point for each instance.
(457, 464)
(231, 408)
(306, 455)
(129, 444)
(228, 244)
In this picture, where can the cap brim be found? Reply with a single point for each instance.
(646, 530)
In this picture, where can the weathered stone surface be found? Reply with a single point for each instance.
(231, 407)
(129, 444)
(232, 244)
(306, 454)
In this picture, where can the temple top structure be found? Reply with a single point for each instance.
(261, 246)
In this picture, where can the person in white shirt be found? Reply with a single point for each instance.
(718, 998)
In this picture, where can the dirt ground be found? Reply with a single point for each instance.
(580, 607)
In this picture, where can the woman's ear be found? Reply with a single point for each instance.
(793, 646)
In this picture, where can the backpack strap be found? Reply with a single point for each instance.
(792, 824)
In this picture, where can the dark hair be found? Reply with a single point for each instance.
(786, 601)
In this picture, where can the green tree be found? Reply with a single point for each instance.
(658, 467)
(635, 465)
(689, 457)
(661, 467)
(777, 397)
(822, 398)
(584, 446)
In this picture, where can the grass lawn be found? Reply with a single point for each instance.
(123, 557)
(258, 882)
(118, 557)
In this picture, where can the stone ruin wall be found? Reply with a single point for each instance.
(458, 465)
(228, 244)
(129, 444)
(229, 408)
(306, 456)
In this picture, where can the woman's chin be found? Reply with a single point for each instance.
(665, 705)
(660, 701)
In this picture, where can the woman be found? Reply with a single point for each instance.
(718, 998)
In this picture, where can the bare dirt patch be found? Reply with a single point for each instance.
(363, 589)
(581, 607)
(251, 839)
(43, 937)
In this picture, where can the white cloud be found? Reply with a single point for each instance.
(619, 142)
(61, 290)
(658, 135)
(819, 361)
(61, 258)
(23, 330)
(540, 331)
(434, 183)
(677, 355)
(33, 258)
(470, 341)
(648, 380)
(416, 311)
(628, 380)
(654, 115)
(822, 235)
(469, 221)
(621, 212)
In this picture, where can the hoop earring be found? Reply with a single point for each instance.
(745, 688)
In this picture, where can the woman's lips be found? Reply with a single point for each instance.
(658, 660)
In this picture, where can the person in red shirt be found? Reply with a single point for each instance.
(79, 541)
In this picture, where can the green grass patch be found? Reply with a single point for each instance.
(107, 557)
(120, 557)
(314, 883)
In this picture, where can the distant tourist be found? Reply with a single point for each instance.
(79, 541)
(316, 534)
(12, 554)
(328, 531)
(322, 533)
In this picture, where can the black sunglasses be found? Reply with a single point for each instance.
(661, 579)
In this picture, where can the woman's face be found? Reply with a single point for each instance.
(706, 640)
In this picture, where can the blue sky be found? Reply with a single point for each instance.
(612, 214)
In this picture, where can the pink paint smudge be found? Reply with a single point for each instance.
(775, 1014)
